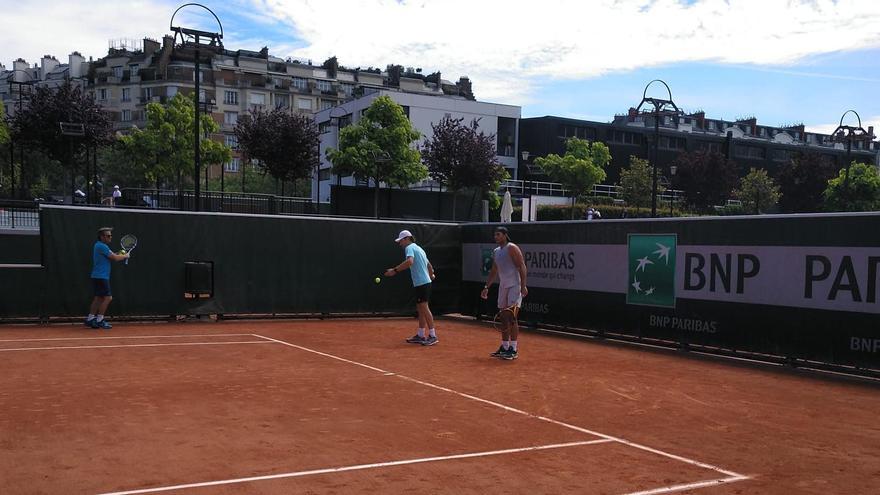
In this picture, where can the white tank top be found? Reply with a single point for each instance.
(507, 271)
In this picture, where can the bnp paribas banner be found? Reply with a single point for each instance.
(655, 270)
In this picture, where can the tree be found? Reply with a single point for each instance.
(165, 146)
(286, 144)
(861, 194)
(4, 132)
(460, 156)
(379, 147)
(803, 180)
(38, 125)
(582, 166)
(635, 182)
(757, 191)
(706, 177)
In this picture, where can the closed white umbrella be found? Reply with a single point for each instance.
(506, 207)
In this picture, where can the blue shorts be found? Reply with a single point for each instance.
(101, 286)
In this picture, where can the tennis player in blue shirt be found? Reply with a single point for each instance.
(101, 258)
(422, 274)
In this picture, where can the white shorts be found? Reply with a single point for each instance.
(509, 296)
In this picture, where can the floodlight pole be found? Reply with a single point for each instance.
(660, 109)
(215, 40)
(849, 134)
(20, 84)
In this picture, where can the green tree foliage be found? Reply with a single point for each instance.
(379, 147)
(757, 191)
(164, 148)
(37, 126)
(803, 180)
(860, 193)
(4, 131)
(582, 166)
(460, 156)
(286, 144)
(635, 182)
(706, 177)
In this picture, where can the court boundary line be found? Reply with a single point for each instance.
(731, 476)
(359, 467)
(133, 337)
(121, 346)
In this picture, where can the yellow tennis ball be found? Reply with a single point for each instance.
(377, 280)
(122, 251)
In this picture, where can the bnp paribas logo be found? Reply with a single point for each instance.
(651, 270)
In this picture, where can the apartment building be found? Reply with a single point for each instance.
(423, 110)
(232, 82)
(744, 141)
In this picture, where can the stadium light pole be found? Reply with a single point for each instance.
(849, 134)
(21, 84)
(334, 117)
(661, 108)
(193, 38)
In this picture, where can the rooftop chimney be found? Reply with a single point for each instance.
(75, 62)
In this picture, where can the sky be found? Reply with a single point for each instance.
(782, 61)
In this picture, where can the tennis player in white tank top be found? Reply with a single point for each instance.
(510, 267)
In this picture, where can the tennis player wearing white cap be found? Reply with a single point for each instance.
(422, 274)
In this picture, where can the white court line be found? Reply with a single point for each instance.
(686, 460)
(358, 467)
(135, 337)
(128, 345)
(689, 486)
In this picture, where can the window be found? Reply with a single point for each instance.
(324, 174)
(304, 103)
(282, 101)
(324, 85)
(326, 104)
(624, 137)
(672, 143)
(567, 131)
(117, 71)
(709, 146)
(749, 152)
(126, 94)
(134, 69)
(148, 93)
(125, 116)
(202, 96)
(230, 118)
(257, 99)
(230, 97)
(232, 141)
(102, 94)
(171, 91)
(299, 83)
(781, 155)
(233, 165)
(348, 89)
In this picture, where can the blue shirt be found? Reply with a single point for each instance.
(101, 261)
(419, 268)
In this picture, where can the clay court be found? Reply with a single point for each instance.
(345, 406)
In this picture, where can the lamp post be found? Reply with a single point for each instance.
(849, 134)
(661, 109)
(194, 37)
(21, 84)
(335, 117)
(379, 158)
(672, 170)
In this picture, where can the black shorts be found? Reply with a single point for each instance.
(101, 286)
(423, 293)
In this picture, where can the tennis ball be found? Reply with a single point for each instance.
(377, 280)
(122, 251)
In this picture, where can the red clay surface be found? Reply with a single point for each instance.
(349, 407)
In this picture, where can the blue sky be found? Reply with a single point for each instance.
(782, 61)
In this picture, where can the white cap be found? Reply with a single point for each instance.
(115, 187)
(403, 235)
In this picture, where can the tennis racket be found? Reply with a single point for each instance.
(128, 243)
(497, 322)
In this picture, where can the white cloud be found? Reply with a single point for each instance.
(506, 47)
(503, 44)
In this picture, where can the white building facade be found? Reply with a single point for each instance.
(502, 121)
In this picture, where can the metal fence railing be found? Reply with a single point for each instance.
(613, 191)
(228, 202)
(19, 215)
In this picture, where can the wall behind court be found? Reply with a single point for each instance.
(261, 264)
(796, 286)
